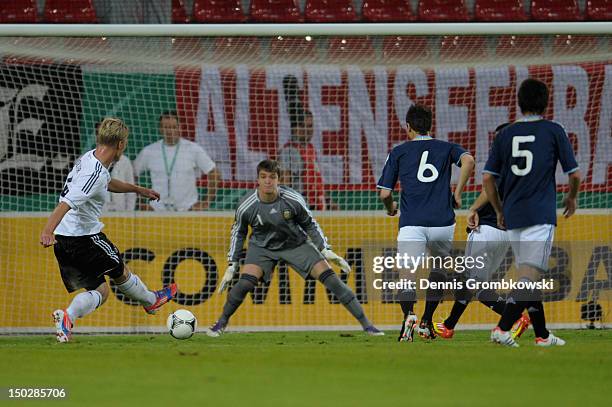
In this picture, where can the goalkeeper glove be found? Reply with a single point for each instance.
(229, 274)
(337, 260)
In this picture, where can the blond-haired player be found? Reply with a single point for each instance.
(84, 254)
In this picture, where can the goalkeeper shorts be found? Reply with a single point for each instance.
(301, 258)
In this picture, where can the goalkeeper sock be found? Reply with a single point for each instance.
(538, 319)
(83, 304)
(345, 295)
(136, 290)
(407, 300)
(246, 284)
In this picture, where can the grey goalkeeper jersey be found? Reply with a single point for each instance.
(283, 224)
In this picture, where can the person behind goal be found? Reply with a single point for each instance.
(423, 166)
(84, 254)
(283, 228)
(524, 157)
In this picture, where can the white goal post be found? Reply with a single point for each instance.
(357, 29)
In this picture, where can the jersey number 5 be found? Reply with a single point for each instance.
(425, 166)
(517, 153)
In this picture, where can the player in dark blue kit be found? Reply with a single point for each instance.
(524, 157)
(489, 242)
(427, 221)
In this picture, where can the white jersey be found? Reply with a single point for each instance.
(85, 191)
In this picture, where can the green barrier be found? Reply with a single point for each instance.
(136, 98)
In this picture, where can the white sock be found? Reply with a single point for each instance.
(136, 290)
(83, 304)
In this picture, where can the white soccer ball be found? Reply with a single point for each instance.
(181, 324)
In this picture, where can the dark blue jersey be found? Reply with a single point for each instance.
(423, 167)
(486, 214)
(524, 156)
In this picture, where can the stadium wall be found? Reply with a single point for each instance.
(188, 250)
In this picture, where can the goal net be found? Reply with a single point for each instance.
(236, 97)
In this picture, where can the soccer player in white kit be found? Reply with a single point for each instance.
(423, 166)
(84, 254)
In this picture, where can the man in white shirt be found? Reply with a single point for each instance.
(84, 254)
(175, 164)
(122, 171)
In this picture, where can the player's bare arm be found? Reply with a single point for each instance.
(123, 187)
(46, 237)
(467, 168)
(490, 188)
(472, 219)
(386, 196)
(569, 202)
(213, 182)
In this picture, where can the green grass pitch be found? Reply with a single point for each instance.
(311, 369)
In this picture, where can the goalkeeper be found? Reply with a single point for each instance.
(282, 229)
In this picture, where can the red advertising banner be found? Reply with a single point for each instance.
(240, 115)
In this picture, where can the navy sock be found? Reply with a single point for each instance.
(407, 299)
(512, 312)
(458, 309)
(433, 296)
(495, 306)
(538, 319)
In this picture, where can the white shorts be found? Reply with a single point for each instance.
(532, 245)
(489, 243)
(415, 241)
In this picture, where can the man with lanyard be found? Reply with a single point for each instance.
(175, 165)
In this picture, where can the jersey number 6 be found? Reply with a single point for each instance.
(517, 152)
(424, 166)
